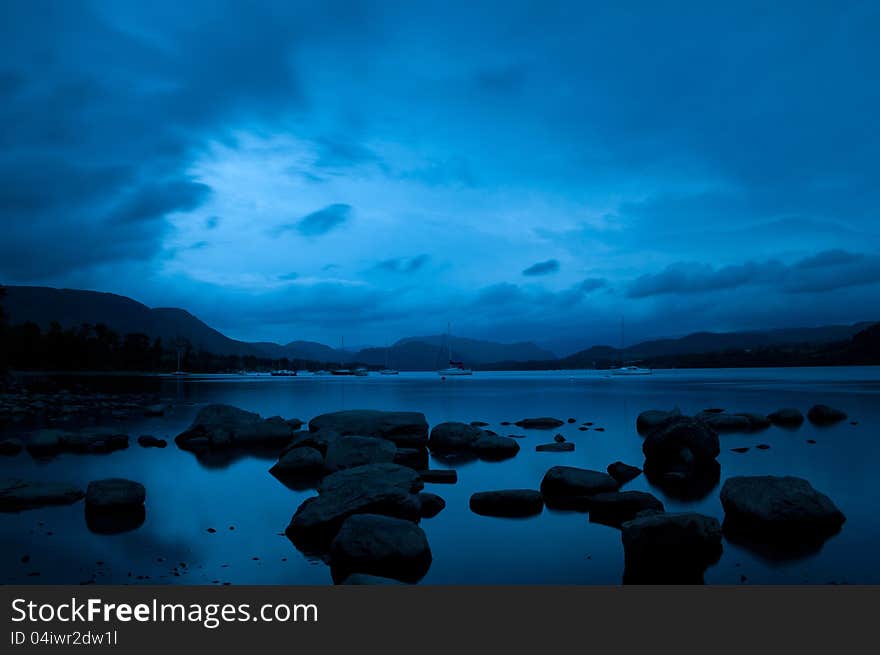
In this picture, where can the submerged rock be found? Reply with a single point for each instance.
(405, 429)
(555, 447)
(507, 503)
(724, 422)
(825, 415)
(540, 423)
(17, 494)
(788, 417)
(47, 443)
(387, 489)
(225, 426)
(623, 473)
(654, 419)
(567, 487)
(432, 504)
(11, 446)
(381, 546)
(670, 548)
(115, 493)
(781, 511)
(684, 483)
(439, 476)
(493, 447)
(348, 452)
(617, 507)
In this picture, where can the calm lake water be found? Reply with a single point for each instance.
(185, 498)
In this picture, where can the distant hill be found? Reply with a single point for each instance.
(73, 307)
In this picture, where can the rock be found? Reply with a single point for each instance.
(775, 508)
(558, 438)
(811, 441)
(507, 503)
(154, 410)
(623, 473)
(787, 417)
(825, 415)
(726, 422)
(681, 444)
(387, 489)
(47, 443)
(583, 428)
(415, 458)
(432, 504)
(439, 476)
(670, 548)
(567, 487)
(493, 447)
(763, 446)
(555, 447)
(617, 507)
(17, 494)
(571, 420)
(684, 482)
(405, 429)
(11, 446)
(382, 546)
(741, 449)
(364, 579)
(225, 426)
(294, 423)
(149, 441)
(654, 419)
(756, 421)
(599, 429)
(115, 493)
(541, 423)
(320, 441)
(299, 464)
(348, 452)
(453, 438)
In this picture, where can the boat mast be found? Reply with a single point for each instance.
(449, 340)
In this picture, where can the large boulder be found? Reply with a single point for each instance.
(684, 482)
(540, 423)
(405, 429)
(225, 426)
(507, 502)
(149, 441)
(115, 493)
(825, 415)
(623, 473)
(320, 441)
(414, 458)
(299, 464)
(774, 509)
(683, 442)
(460, 439)
(654, 419)
(756, 421)
(348, 452)
(617, 507)
(787, 417)
(555, 447)
(17, 494)
(669, 548)
(432, 504)
(47, 443)
(381, 546)
(387, 489)
(568, 487)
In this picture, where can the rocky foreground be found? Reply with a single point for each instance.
(369, 469)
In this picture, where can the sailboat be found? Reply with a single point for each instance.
(178, 371)
(387, 370)
(454, 368)
(341, 370)
(629, 368)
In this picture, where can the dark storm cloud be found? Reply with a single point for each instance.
(542, 268)
(403, 264)
(318, 222)
(823, 271)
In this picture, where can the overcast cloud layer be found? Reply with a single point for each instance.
(525, 170)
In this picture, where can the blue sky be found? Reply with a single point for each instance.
(526, 170)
